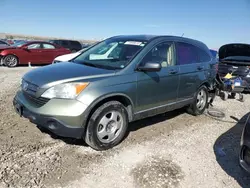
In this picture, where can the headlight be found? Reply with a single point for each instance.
(65, 91)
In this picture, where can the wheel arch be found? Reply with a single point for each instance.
(120, 97)
(13, 54)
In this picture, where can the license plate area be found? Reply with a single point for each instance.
(237, 83)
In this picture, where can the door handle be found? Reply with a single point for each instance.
(173, 71)
(199, 68)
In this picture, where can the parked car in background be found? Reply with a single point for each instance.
(10, 42)
(235, 56)
(3, 43)
(68, 57)
(35, 52)
(214, 53)
(95, 99)
(72, 45)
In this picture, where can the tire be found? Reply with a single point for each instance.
(73, 51)
(224, 96)
(103, 121)
(196, 109)
(10, 61)
(241, 98)
(233, 95)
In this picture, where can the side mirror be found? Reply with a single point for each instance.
(150, 67)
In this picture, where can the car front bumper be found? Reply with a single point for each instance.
(60, 116)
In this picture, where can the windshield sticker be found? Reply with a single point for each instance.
(133, 43)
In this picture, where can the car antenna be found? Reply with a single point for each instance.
(182, 35)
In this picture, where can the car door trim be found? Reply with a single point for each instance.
(161, 109)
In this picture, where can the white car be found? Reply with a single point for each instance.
(68, 57)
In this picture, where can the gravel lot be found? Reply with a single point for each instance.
(170, 150)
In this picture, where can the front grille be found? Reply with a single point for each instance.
(38, 101)
(29, 87)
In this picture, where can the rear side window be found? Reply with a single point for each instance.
(203, 56)
(48, 46)
(186, 53)
(64, 43)
(189, 54)
(75, 43)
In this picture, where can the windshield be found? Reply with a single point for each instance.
(19, 44)
(111, 53)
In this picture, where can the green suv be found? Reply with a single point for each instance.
(119, 80)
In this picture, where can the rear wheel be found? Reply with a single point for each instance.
(241, 97)
(10, 61)
(107, 126)
(224, 96)
(200, 103)
(233, 95)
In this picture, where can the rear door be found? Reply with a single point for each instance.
(66, 44)
(157, 91)
(191, 71)
(50, 52)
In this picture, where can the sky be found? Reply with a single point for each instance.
(214, 22)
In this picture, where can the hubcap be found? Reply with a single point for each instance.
(110, 126)
(11, 61)
(201, 99)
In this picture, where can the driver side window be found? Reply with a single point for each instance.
(162, 53)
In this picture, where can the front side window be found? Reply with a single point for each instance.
(34, 46)
(186, 53)
(162, 53)
(111, 53)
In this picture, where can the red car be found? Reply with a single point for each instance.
(35, 52)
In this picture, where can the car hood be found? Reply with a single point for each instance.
(51, 75)
(234, 51)
(67, 57)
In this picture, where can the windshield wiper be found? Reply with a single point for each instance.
(89, 64)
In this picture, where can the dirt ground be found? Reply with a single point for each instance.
(170, 150)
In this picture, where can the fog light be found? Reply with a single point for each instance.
(52, 125)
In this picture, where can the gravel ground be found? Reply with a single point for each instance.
(170, 150)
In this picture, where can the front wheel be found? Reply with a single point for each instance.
(200, 103)
(107, 126)
(10, 61)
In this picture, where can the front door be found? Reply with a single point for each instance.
(157, 91)
(33, 53)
